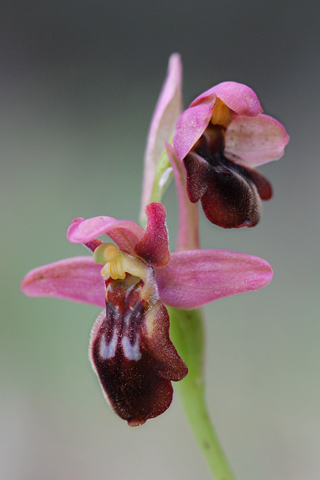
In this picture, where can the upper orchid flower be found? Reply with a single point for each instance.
(130, 349)
(220, 138)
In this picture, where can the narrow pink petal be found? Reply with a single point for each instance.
(191, 125)
(188, 229)
(256, 140)
(163, 123)
(125, 233)
(75, 279)
(154, 245)
(194, 278)
(237, 96)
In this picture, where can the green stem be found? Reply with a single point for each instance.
(187, 334)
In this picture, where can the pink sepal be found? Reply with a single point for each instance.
(237, 96)
(162, 126)
(154, 245)
(256, 140)
(196, 277)
(191, 125)
(77, 279)
(125, 233)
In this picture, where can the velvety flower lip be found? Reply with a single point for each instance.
(219, 139)
(130, 348)
(135, 359)
(229, 192)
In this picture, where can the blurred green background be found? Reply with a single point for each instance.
(79, 82)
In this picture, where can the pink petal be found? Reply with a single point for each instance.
(256, 140)
(240, 98)
(191, 125)
(163, 123)
(125, 233)
(154, 245)
(75, 279)
(194, 278)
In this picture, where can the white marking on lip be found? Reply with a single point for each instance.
(108, 350)
(131, 352)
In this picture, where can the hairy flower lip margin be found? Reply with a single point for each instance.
(230, 193)
(130, 348)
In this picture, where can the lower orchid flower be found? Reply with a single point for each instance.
(220, 138)
(133, 279)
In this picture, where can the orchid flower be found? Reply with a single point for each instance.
(133, 278)
(220, 139)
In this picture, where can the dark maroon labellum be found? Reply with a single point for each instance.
(132, 353)
(229, 191)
